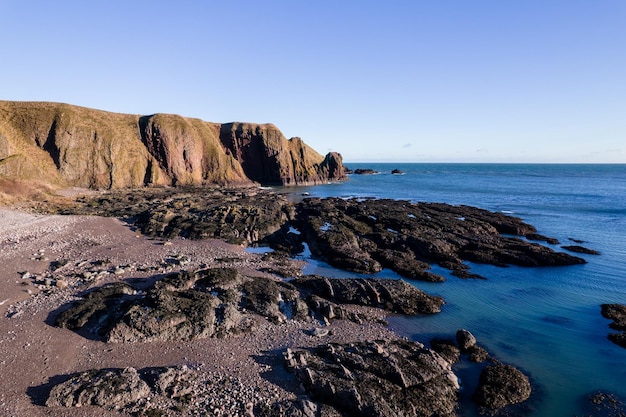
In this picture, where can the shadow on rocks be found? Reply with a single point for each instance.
(40, 393)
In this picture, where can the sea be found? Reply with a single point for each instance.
(546, 320)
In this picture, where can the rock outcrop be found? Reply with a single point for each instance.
(391, 295)
(359, 235)
(269, 158)
(617, 313)
(74, 146)
(128, 389)
(501, 386)
(109, 388)
(376, 379)
(367, 235)
(217, 302)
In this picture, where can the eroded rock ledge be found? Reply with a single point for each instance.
(217, 302)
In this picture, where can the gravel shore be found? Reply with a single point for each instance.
(47, 260)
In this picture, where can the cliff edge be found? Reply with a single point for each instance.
(64, 145)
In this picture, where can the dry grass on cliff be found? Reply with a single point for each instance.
(17, 191)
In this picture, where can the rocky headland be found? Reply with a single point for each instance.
(60, 145)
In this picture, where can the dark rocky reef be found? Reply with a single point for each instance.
(367, 235)
(217, 302)
(581, 249)
(364, 171)
(603, 404)
(617, 313)
(378, 379)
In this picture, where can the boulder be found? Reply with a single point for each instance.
(465, 339)
(125, 389)
(477, 354)
(501, 385)
(110, 388)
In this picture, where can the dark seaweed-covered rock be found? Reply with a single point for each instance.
(360, 235)
(502, 385)
(603, 404)
(542, 238)
(380, 378)
(617, 313)
(364, 171)
(369, 235)
(581, 249)
(99, 309)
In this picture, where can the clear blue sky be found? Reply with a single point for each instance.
(415, 81)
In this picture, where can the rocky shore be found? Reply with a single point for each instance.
(165, 313)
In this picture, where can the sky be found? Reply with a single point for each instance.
(393, 81)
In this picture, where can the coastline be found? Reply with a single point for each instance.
(36, 228)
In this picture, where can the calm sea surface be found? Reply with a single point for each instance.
(544, 320)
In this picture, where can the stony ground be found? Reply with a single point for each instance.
(45, 261)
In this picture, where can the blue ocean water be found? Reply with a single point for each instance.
(544, 320)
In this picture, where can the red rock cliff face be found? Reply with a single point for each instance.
(268, 157)
(68, 145)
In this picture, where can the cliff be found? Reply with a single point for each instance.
(64, 145)
(286, 162)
